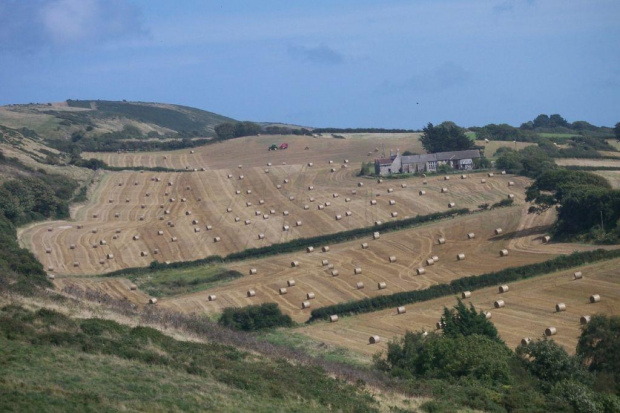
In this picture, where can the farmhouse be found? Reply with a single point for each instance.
(460, 160)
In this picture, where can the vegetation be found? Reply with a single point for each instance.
(170, 282)
(229, 130)
(362, 130)
(472, 283)
(445, 138)
(53, 362)
(598, 348)
(255, 317)
(367, 169)
(463, 321)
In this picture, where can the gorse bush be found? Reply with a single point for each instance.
(255, 317)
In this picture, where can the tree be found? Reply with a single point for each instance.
(444, 139)
(463, 321)
(617, 131)
(598, 347)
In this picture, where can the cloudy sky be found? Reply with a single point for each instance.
(344, 63)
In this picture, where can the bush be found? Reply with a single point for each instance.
(255, 317)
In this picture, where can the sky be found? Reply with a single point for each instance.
(322, 63)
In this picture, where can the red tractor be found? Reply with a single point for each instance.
(284, 146)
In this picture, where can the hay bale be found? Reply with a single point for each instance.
(403, 185)
(335, 273)
(285, 213)
(483, 181)
(209, 227)
(392, 202)
(330, 266)
(577, 275)
(272, 211)
(373, 202)
(435, 258)
(503, 172)
(338, 217)
(498, 231)
(261, 201)
(217, 239)
(325, 248)
(463, 176)
(359, 285)
(266, 170)
(298, 223)
(251, 293)
(430, 261)
(305, 304)
(327, 203)
(257, 213)
(95, 246)
(48, 250)
(212, 297)
(324, 262)
(401, 310)
(487, 315)
(261, 236)
(439, 325)
(421, 271)
(310, 164)
(335, 195)
(446, 178)
(237, 192)
(143, 253)
(117, 215)
(310, 296)
(155, 251)
(294, 263)
(80, 226)
(550, 331)
(95, 215)
(560, 307)
(499, 304)
(390, 190)
(525, 341)
(248, 204)
(282, 291)
(353, 192)
(444, 190)
(333, 318)
(348, 213)
(237, 219)
(311, 199)
(374, 339)
(379, 181)
(76, 263)
(491, 174)
(309, 249)
(364, 245)
(357, 271)
(247, 222)
(382, 285)
(253, 271)
(320, 207)
(195, 222)
(466, 294)
(174, 239)
(248, 191)
(503, 289)
(378, 222)
(460, 257)
(503, 253)
(510, 183)
(585, 319)
(241, 177)
(422, 193)
(136, 237)
(196, 229)
(376, 235)
(152, 300)
(285, 181)
(188, 213)
(595, 298)
(441, 241)
(101, 261)
(451, 205)
(511, 196)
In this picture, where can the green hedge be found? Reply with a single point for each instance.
(296, 244)
(255, 317)
(474, 282)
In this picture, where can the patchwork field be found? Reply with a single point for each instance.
(252, 152)
(588, 162)
(529, 310)
(142, 217)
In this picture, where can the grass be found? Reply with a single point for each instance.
(51, 362)
(184, 281)
(471, 135)
(558, 135)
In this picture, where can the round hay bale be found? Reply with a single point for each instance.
(394, 214)
(354, 192)
(136, 237)
(174, 239)
(392, 258)
(374, 339)
(510, 183)
(378, 222)
(430, 261)
(257, 213)
(155, 251)
(209, 227)
(290, 283)
(237, 219)
(141, 218)
(320, 207)
(311, 199)
(360, 184)
(95, 246)
(401, 310)
(338, 217)
(376, 234)
(435, 258)
(335, 195)
(424, 182)
(80, 226)
(483, 181)
(298, 223)
(253, 271)
(403, 185)
(251, 293)
(444, 190)
(117, 215)
(310, 164)
(196, 229)
(357, 271)
(498, 231)
(499, 304)
(446, 178)
(585, 319)
(560, 307)
(249, 191)
(471, 235)
(309, 249)
(217, 239)
(503, 253)
(261, 201)
(577, 275)
(261, 236)
(595, 298)
(335, 273)
(143, 253)
(348, 213)
(359, 285)
(550, 331)
(76, 263)
(441, 241)
(451, 205)
(460, 257)
(324, 262)
(333, 318)
(294, 263)
(503, 289)
(327, 203)
(392, 202)
(305, 304)
(285, 213)
(282, 291)
(310, 296)
(266, 170)
(490, 174)
(278, 186)
(466, 294)
(525, 341)
(48, 250)
(188, 213)
(248, 204)
(373, 202)
(364, 245)
(241, 177)
(152, 300)
(330, 266)
(390, 190)
(382, 285)
(212, 297)
(325, 248)
(421, 271)
(487, 315)
(285, 181)
(272, 211)
(95, 215)
(511, 196)
(285, 228)
(379, 181)
(463, 176)
(439, 325)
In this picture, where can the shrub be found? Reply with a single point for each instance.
(255, 317)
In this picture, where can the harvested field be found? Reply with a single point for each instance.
(530, 308)
(252, 152)
(588, 162)
(117, 288)
(144, 209)
(411, 248)
(612, 176)
(492, 146)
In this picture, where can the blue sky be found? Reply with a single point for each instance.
(391, 64)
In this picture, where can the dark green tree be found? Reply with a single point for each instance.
(598, 348)
(444, 139)
(463, 321)
(617, 131)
